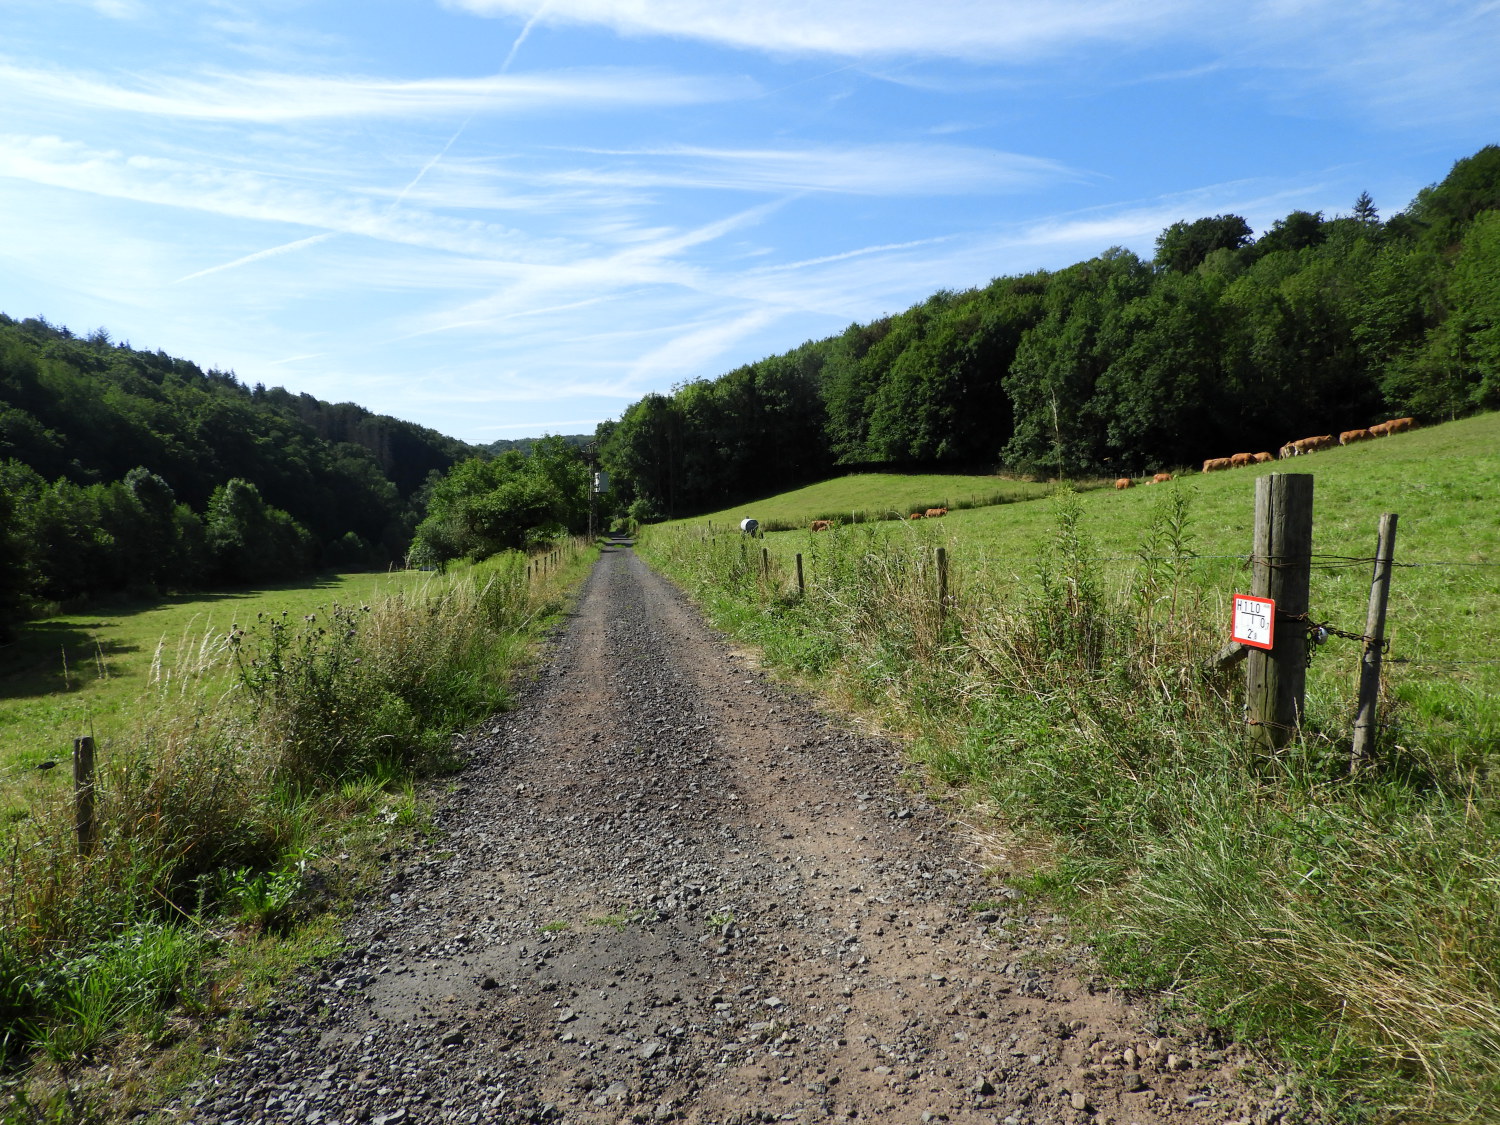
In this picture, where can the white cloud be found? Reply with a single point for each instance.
(964, 29)
(889, 169)
(283, 97)
(696, 351)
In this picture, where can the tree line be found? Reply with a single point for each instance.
(128, 471)
(1113, 365)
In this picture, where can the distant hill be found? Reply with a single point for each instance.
(523, 445)
(115, 461)
(1223, 341)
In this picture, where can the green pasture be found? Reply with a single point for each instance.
(91, 673)
(869, 495)
(1442, 481)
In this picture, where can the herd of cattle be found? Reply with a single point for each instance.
(1290, 449)
(1214, 464)
(929, 514)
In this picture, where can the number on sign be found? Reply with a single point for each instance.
(1254, 621)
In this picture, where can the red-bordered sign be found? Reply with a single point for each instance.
(1254, 621)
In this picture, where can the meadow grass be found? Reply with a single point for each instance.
(94, 673)
(1352, 923)
(859, 497)
(245, 783)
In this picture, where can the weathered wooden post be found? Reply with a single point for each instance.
(801, 585)
(942, 580)
(1369, 661)
(1276, 680)
(765, 564)
(83, 792)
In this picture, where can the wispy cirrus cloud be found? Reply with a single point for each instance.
(271, 97)
(885, 169)
(965, 29)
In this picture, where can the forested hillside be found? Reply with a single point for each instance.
(123, 469)
(1222, 342)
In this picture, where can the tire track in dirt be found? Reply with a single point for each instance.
(667, 889)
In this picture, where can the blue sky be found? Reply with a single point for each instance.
(500, 218)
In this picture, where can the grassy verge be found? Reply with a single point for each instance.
(1353, 924)
(242, 803)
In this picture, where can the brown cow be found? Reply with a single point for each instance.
(822, 525)
(1380, 429)
(1240, 460)
(915, 516)
(1314, 444)
(1161, 478)
(1262, 458)
(1124, 482)
(933, 513)
(1215, 464)
(1399, 425)
(1288, 451)
(1348, 437)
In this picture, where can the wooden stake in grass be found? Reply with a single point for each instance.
(1369, 661)
(765, 564)
(801, 585)
(83, 792)
(942, 580)
(1275, 681)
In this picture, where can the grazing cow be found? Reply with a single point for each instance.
(1348, 437)
(1215, 464)
(915, 516)
(1161, 478)
(821, 525)
(933, 513)
(1314, 444)
(1398, 425)
(1262, 458)
(1240, 460)
(1288, 451)
(1124, 482)
(1380, 429)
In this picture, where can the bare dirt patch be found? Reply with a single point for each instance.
(667, 889)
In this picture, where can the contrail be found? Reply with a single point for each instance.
(401, 197)
(509, 58)
(285, 248)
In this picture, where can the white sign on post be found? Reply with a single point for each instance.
(1254, 621)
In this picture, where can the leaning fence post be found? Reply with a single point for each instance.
(942, 578)
(801, 585)
(1276, 680)
(1369, 661)
(83, 792)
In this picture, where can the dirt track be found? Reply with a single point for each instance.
(667, 889)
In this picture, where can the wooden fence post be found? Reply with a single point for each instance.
(942, 582)
(765, 564)
(83, 792)
(1369, 661)
(1275, 681)
(801, 585)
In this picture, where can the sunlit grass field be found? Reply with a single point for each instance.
(862, 496)
(91, 673)
(1443, 482)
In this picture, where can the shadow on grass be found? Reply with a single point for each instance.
(64, 654)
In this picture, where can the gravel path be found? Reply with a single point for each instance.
(669, 890)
